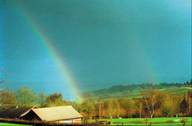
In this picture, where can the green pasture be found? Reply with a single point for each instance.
(174, 121)
(12, 124)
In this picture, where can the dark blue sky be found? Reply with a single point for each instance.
(103, 42)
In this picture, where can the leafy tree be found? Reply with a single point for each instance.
(113, 108)
(88, 108)
(169, 105)
(42, 99)
(55, 99)
(7, 98)
(26, 97)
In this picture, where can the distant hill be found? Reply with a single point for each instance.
(134, 91)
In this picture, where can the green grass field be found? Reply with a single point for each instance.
(12, 124)
(154, 121)
(174, 121)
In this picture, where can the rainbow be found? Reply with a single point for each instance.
(56, 57)
(63, 67)
(150, 71)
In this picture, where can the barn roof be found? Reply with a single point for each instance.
(55, 113)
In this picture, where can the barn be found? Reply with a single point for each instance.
(59, 114)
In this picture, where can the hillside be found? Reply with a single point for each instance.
(134, 91)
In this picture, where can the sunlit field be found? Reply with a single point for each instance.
(154, 121)
(169, 121)
(12, 124)
(174, 121)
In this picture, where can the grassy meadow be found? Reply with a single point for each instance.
(164, 121)
(154, 121)
(12, 124)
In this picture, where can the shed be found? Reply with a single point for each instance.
(60, 114)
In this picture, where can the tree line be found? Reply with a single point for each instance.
(151, 103)
(25, 97)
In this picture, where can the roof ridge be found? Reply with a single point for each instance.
(53, 107)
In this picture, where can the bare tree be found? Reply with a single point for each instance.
(151, 100)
